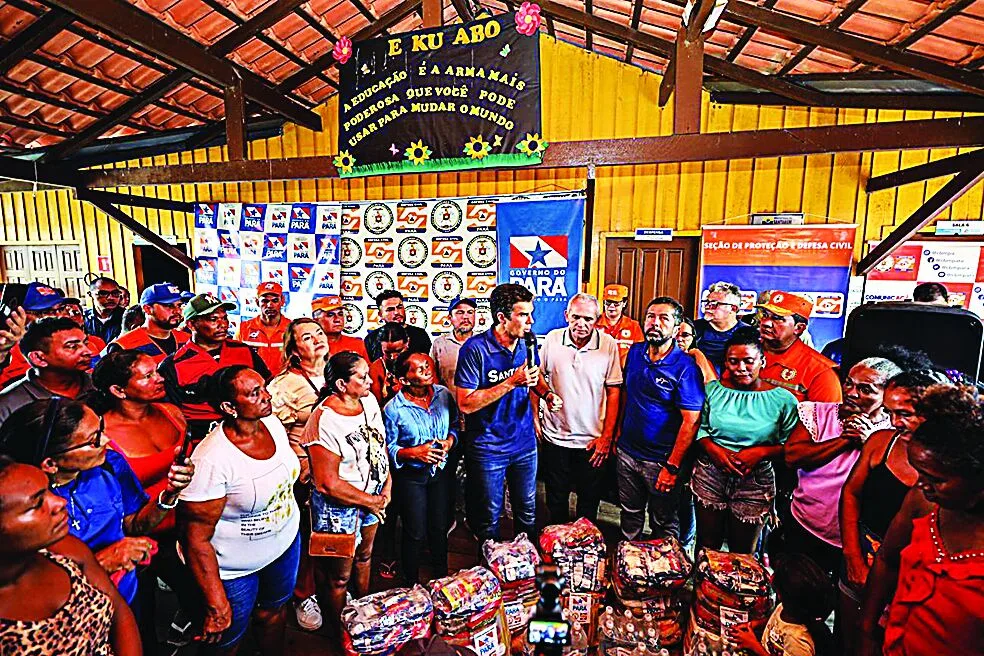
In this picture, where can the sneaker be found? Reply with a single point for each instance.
(309, 614)
(180, 633)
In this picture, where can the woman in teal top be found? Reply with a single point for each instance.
(742, 429)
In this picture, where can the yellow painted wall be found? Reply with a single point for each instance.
(584, 96)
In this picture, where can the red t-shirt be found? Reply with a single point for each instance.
(626, 332)
(383, 385)
(348, 343)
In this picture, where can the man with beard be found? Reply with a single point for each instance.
(789, 363)
(265, 332)
(210, 349)
(105, 319)
(158, 336)
(392, 310)
(664, 394)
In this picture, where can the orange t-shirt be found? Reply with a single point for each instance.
(267, 340)
(348, 343)
(804, 372)
(626, 332)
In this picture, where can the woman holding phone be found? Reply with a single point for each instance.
(150, 435)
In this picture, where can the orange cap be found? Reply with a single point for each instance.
(326, 303)
(269, 288)
(785, 304)
(615, 293)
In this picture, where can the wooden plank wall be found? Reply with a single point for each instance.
(584, 96)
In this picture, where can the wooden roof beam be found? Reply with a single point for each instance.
(871, 52)
(931, 133)
(932, 208)
(238, 36)
(326, 61)
(663, 48)
(133, 25)
(140, 229)
(922, 172)
(33, 37)
(135, 201)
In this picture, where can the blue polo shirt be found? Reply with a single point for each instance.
(98, 500)
(655, 393)
(712, 342)
(504, 428)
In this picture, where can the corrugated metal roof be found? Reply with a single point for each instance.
(80, 74)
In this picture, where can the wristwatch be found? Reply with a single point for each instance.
(673, 469)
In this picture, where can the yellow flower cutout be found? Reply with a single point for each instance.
(344, 162)
(532, 145)
(477, 147)
(418, 153)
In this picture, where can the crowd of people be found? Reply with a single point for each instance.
(170, 453)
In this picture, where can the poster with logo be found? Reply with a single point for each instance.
(238, 246)
(431, 250)
(464, 96)
(958, 266)
(813, 261)
(543, 255)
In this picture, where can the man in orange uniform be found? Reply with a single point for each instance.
(613, 321)
(158, 337)
(265, 332)
(330, 315)
(790, 363)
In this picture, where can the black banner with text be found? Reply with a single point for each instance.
(459, 97)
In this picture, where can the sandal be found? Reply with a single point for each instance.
(387, 569)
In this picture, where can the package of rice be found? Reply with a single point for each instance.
(468, 611)
(381, 623)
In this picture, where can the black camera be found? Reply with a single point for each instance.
(549, 632)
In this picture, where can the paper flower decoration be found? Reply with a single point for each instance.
(532, 145)
(344, 162)
(342, 51)
(528, 18)
(418, 153)
(477, 147)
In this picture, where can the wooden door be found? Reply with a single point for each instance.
(653, 268)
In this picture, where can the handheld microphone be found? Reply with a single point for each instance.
(530, 339)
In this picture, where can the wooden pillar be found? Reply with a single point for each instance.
(235, 121)
(688, 73)
(433, 13)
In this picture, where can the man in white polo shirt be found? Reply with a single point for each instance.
(583, 366)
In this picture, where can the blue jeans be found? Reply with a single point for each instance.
(490, 476)
(269, 589)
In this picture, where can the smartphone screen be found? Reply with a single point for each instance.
(549, 632)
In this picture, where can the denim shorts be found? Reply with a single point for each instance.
(268, 589)
(749, 498)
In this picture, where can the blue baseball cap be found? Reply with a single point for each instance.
(461, 300)
(164, 293)
(187, 296)
(39, 297)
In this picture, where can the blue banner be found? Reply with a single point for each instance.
(539, 246)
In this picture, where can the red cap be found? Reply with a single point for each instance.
(269, 288)
(326, 303)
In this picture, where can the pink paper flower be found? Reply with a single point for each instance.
(342, 51)
(528, 19)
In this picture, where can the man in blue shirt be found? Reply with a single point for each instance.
(720, 322)
(494, 381)
(664, 394)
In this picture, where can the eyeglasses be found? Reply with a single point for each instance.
(95, 442)
(613, 302)
(713, 305)
(107, 294)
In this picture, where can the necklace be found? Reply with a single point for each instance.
(73, 518)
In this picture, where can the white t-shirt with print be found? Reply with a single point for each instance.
(261, 518)
(360, 442)
(781, 638)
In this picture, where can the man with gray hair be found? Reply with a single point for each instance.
(720, 322)
(582, 365)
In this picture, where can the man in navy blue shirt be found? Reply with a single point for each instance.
(494, 382)
(720, 322)
(664, 394)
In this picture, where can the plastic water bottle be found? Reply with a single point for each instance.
(579, 641)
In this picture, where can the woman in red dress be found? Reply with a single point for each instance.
(931, 564)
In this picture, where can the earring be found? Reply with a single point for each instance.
(234, 414)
